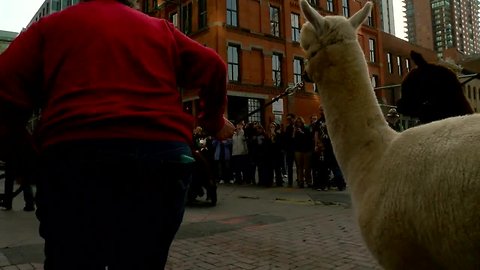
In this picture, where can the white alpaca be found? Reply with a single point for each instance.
(416, 194)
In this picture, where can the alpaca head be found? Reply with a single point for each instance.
(320, 32)
(431, 92)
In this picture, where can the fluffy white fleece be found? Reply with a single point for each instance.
(416, 194)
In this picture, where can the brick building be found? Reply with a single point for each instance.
(259, 40)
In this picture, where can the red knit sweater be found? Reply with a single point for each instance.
(102, 70)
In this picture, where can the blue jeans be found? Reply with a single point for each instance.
(111, 203)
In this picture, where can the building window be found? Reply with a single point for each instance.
(370, 20)
(232, 13)
(314, 3)
(277, 69)
(275, 21)
(345, 8)
(233, 63)
(389, 63)
(297, 70)
(371, 48)
(407, 64)
(374, 81)
(145, 5)
(295, 18)
(187, 107)
(330, 5)
(399, 65)
(254, 105)
(202, 14)
(174, 19)
(56, 5)
(187, 18)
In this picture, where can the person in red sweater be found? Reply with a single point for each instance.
(114, 145)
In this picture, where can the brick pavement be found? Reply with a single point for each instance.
(325, 240)
(259, 228)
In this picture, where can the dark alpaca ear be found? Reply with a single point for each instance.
(418, 59)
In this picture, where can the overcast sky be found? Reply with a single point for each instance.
(399, 19)
(16, 14)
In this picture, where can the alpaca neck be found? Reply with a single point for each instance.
(358, 129)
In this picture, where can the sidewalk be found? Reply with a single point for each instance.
(250, 228)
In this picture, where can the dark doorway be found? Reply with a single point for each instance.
(240, 107)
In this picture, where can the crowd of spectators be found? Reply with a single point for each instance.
(268, 156)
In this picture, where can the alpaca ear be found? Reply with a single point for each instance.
(418, 59)
(358, 18)
(312, 15)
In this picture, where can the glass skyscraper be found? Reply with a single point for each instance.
(444, 24)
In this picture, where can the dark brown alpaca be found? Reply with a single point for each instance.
(432, 92)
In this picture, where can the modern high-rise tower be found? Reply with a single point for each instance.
(444, 24)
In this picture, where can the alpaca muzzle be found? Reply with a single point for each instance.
(306, 78)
